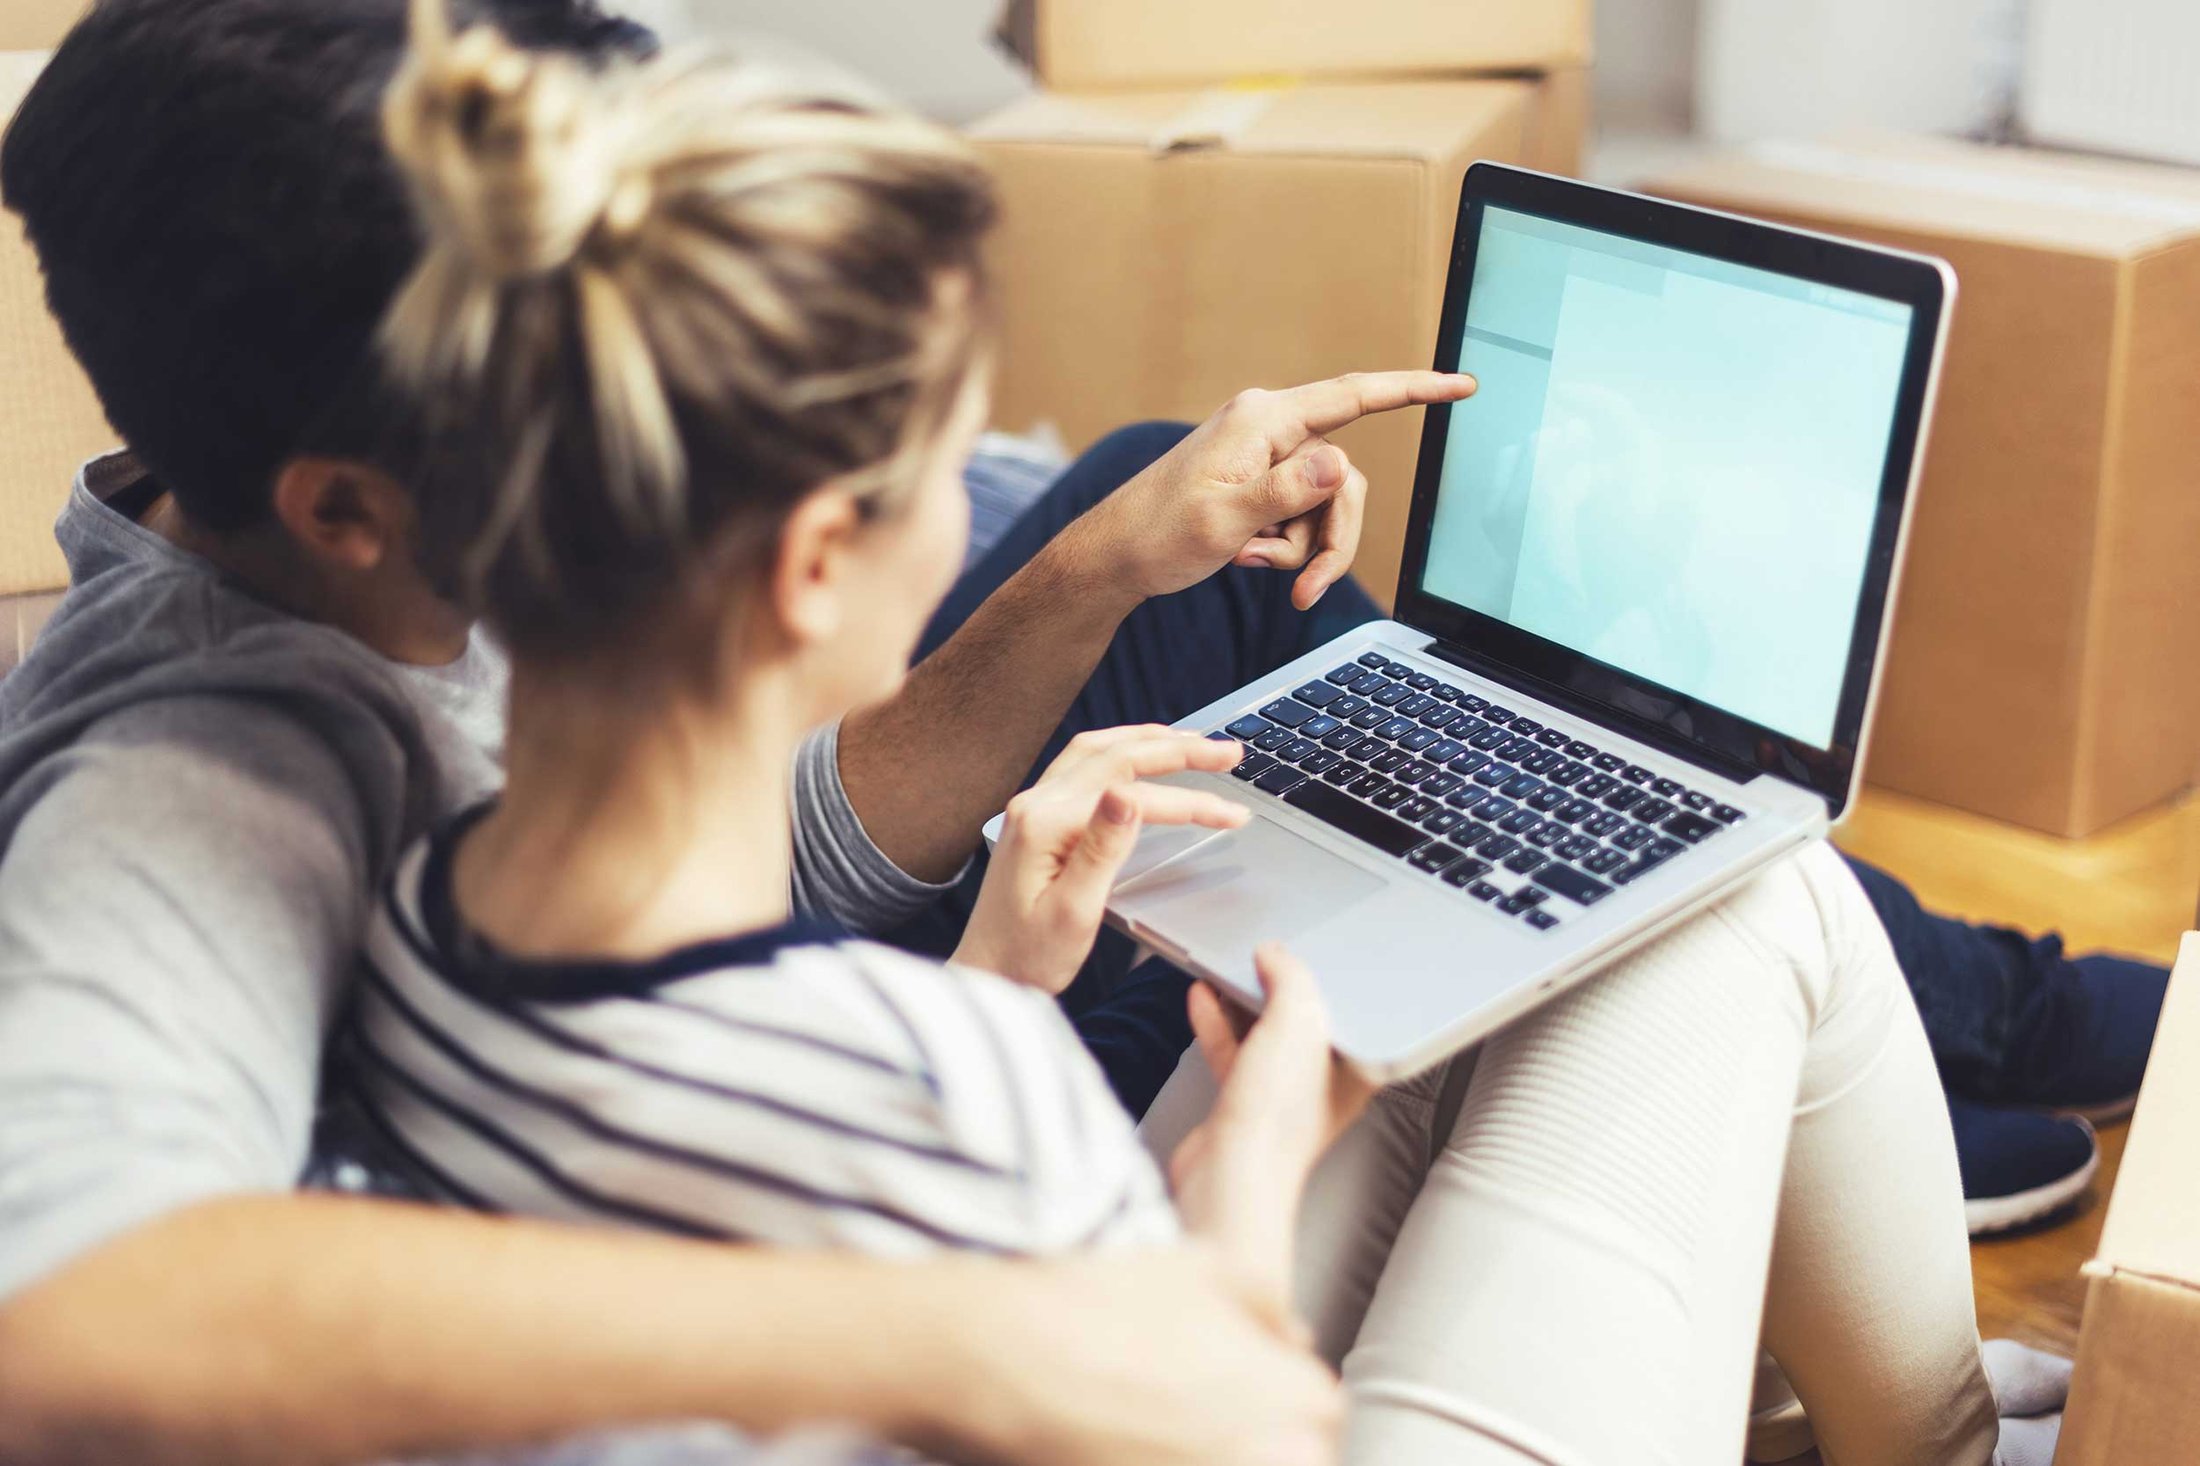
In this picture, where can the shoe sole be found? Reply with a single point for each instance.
(1995, 1214)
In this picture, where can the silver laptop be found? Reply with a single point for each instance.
(1647, 573)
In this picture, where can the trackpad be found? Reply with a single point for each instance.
(1257, 884)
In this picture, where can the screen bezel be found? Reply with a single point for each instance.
(1659, 714)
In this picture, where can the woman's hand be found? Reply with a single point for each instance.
(1064, 839)
(1285, 1098)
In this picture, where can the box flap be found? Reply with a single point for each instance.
(1941, 186)
(1423, 120)
(2151, 1226)
(50, 421)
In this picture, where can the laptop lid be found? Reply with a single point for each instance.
(1676, 502)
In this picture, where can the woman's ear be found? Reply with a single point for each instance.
(343, 514)
(812, 566)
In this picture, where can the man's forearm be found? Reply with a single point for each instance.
(321, 1329)
(925, 770)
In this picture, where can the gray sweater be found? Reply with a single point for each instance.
(198, 793)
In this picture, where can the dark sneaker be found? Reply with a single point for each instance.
(2019, 1166)
(2085, 1050)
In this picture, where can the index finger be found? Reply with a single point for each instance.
(1324, 407)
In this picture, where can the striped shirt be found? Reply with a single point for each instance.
(796, 1086)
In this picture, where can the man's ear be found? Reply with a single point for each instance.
(343, 513)
(811, 565)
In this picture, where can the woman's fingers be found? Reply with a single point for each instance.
(1217, 1030)
(1089, 871)
(1167, 804)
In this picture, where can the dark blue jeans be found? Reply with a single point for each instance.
(1173, 654)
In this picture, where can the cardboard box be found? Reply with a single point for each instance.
(37, 25)
(49, 420)
(1160, 252)
(1074, 44)
(2041, 667)
(2132, 1399)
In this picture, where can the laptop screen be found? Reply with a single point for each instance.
(1673, 464)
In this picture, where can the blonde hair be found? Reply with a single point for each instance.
(659, 302)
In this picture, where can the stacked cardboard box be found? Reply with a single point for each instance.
(50, 422)
(1220, 194)
(2041, 663)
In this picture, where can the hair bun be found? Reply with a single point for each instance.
(511, 156)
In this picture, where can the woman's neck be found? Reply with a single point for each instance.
(632, 823)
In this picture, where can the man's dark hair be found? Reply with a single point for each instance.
(221, 228)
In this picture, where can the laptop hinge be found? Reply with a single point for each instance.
(1642, 730)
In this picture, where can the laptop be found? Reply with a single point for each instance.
(1647, 575)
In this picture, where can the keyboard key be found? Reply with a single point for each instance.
(1697, 802)
(1345, 707)
(1444, 750)
(1372, 659)
(1493, 808)
(1520, 786)
(1344, 675)
(1391, 796)
(1418, 739)
(1395, 728)
(1522, 899)
(1273, 739)
(1391, 696)
(1546, 799)
(1498, 847)
(1542, 761)
(1438, 784)
(1596, 786)
(1574, 811)
(1320, 761)
(1471, 833)
(1343, 739)
(1396, 669)
(1283, 710)
(1627, 875)
(1569, 773)
(1540, 919)
(1726, 814)
(1448, 692)
(1520, 821)
(1467, 762)
(1494, 774)
(1622, 797)
(1633, 838)
(1369, 787)
(1416, 809)
(1573, 847)
(1441, 717)
(1320, 727)
(1466, 728)
(1526, 863)
(1474, 704)
(1573, 885)
(1252, 766)
(1434, 856)
(1610, 763)
(1368, 683)
(1413, 771)
(1466, 798)
(1389, 762)
(1516, 748)
(1690, 827)
(1297, 749)
(1370, 717)
(1281, 779)
(1420, 681)
(1317, 694)
(1499, 715)
(1636, 774)
(1552, 738)
(1466, 872)
(1344, 772)
(1604, 826)
(1441, 821)
(1665, 849)
(1416, 705)
(1603, 862)
(1652, 811)
(1526, 726)
(1549, 833)
(1489, 738)
(1666, 788)
(1248, 727)
(1578, 749)
(1392, 837)
(1484, 891)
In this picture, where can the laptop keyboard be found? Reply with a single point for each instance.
(1469, 791)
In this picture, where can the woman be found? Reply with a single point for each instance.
(698, 366)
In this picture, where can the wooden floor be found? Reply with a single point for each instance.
(2130, 889)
